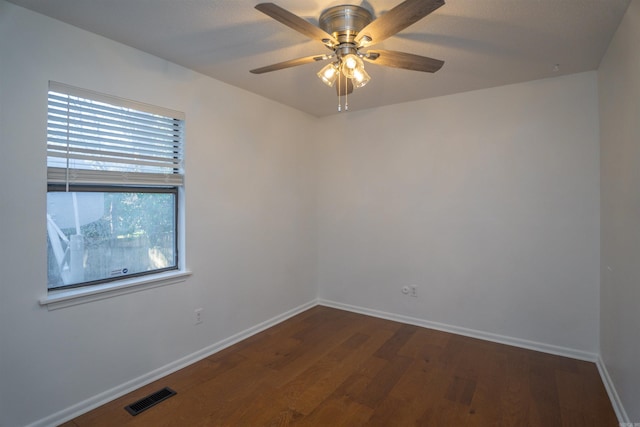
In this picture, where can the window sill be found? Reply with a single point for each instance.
(70, 297)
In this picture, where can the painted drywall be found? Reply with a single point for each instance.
(249, 216)
(619, 93)
(487, 201)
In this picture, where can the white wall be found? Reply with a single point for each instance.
(249, 215)
(619, 90)
(488, 201)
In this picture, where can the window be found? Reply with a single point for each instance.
(115, 174)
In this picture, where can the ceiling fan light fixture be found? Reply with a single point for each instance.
(345, 30)
(329, 74)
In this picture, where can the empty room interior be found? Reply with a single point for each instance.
(494, 200)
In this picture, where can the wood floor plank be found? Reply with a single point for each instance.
(340, 364)
(418, 388)
(545, 407)
(515, 397)
(383, 381)
(337, 411)
(328, 367)
(393, 345)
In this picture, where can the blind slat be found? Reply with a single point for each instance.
(109, 127)
(87, 116)
(62, 136)
(62, 100)
(57, 175)
(114, 157)
(56, 107)
(98, 151)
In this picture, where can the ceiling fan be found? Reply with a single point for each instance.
(348, 31)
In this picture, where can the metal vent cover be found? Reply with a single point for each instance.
(149, 401)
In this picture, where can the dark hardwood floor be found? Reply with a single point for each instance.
(327, 367)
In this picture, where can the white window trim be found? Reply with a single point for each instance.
(82, 295)
(61, 298)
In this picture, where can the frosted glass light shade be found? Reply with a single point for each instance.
(329, 74)
(360, 77)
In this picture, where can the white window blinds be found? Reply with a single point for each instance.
(98, 139)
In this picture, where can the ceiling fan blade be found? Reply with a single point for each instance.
(295, 22)
(408, 61)
(397, 19)
(344, 88)
(290, 63)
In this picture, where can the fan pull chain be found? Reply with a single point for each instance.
(339, 101)
(346, 94)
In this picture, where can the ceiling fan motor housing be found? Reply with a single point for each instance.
(345, 22)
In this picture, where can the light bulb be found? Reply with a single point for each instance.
(350, 62)
(328, 74)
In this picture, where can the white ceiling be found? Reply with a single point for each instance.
(484, 43)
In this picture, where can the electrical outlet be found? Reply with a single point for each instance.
(414, 291)
(198, 316)
(405, 290)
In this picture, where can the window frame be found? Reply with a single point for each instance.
(70, 179)
(175, 190)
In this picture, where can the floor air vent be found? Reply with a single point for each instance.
(149, 401)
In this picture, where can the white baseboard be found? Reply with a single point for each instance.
(134, 384)
(487, 336)
(623, 418)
